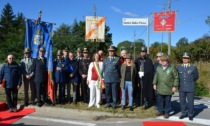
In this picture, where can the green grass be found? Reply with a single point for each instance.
(137, 113)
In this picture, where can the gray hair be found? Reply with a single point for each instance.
(123, 51)
(159, 54)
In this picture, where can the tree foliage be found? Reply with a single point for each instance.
(129, 46)
(182, 42)
(12, 33)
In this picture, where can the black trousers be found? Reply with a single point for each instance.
(11, 96)
(79, 87)
(28, 83)
(85, 90)
(41, 90)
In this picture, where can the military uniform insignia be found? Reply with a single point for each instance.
(38, 37)
(189, 71)
(62, 65)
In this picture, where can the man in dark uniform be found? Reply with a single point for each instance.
(188, 74)
(79, 86)
(60, 71)
(146, 70)
(83, 71)
(40, 77)
(65, 54)
(111, 74)
(28, 76)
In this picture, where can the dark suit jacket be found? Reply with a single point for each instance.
(60, 76)
(40, 70)
(73, 69)
(187, 77)
(111, 70)
(83, 66)
(11, 73)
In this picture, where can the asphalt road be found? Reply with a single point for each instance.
(47, 116)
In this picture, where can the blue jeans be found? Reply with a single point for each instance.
(129, 87)
(164, 100)
(75, 86)
(111, 93)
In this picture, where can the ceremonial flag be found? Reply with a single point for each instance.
(95, 28)
(37, 36)
(164, 21)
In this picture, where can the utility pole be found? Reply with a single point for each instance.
(148, 36)
(134, 46)
(169, 33)
(95, 40)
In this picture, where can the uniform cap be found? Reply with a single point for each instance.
(185, 55)
(143, 49)
(111, 48)
(27, 50)
(85, 50)
(42, 49)
(59, 53)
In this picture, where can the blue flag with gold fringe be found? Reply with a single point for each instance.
(39, 35)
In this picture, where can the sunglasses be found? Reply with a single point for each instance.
(158, 56)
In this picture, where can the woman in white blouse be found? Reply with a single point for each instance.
(94, 78)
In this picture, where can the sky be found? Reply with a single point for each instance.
(190, 13)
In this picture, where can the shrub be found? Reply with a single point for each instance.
(201, 90)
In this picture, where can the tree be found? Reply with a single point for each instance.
(129, 46)
(12, 33)
(156, 44)
(7, 19)
(182, 42)
(207, 21)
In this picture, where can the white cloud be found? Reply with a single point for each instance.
(131, 14)
(117, 10)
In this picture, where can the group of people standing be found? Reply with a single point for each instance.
(121, 79)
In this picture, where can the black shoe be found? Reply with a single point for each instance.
(26, 104)
(123, 107)
(114, 107)
(15, 110)
(39, 104)
(10, 110)
(182, 116)
(33, 103)
(131, 109)
(146, 107)
(166, 116)
(108, 106)
(191, 118)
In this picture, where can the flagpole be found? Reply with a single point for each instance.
(95, 40)
(39, 18)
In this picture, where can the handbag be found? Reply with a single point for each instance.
(3, 83)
